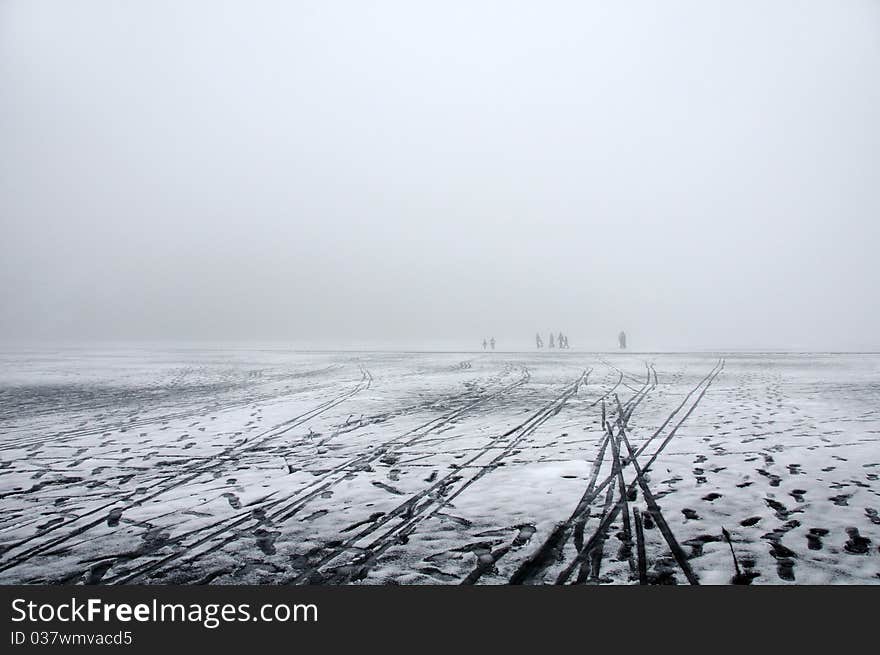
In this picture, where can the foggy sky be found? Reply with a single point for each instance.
(701, 174)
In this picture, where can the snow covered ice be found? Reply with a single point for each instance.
(277, 467)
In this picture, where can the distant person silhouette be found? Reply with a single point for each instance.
(538, 341)
(492, 342)
(621, 339)
(485, 343)
(551, 343)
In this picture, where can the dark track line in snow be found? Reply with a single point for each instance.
(530, 570)
(285, 508)
(394, 445)
(609, 517)
(104, 495)
(622, 491)
(656, 513)
(437, 497)
(173, 481)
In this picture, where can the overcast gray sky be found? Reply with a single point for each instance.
(702, 174)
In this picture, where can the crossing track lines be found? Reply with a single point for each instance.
(551, 549)
(597, 537)
(169, 483)
(532, 570)
(428, 502)
(280, 510)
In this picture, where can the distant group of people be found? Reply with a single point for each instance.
(560, 341)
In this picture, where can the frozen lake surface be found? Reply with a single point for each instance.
(275, 467)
